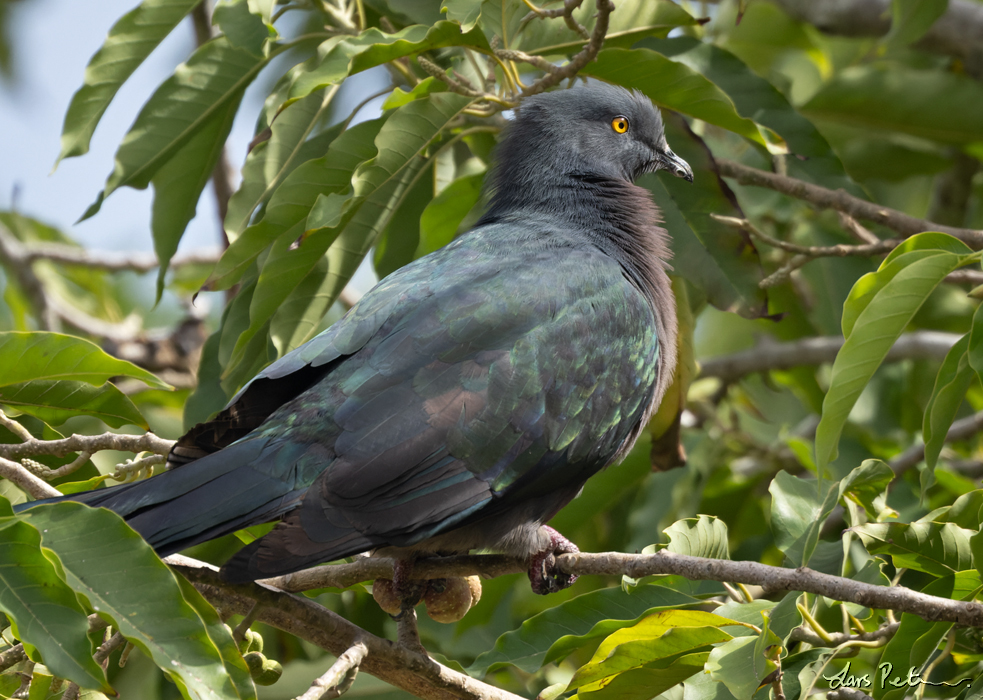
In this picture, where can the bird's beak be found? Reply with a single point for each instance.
(667, 160)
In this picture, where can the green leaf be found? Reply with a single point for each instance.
(885, 314)
(702, 536)
(398, 242)
(243, 29)
(643, 683)
(216, 75)
(738, 665)
(555, 633)
(867, 485)
(464, 12)
(712, 256)
(302, 311)
(634, 20)
(917, 639)
(130, 41)
(122, 579)
(951, 384)
(966, 511)
(343, 56)
(914, 248)
(269, 162)
(43, 609)
(785, 617)
(178, 185)
(975, 350)
(673, 86)
(292, 202)
(380, 185)
(53, 356)
(756, 99)
(797, 514)
(56, 401)
(910, 19)
(935, 548)
(931, 104)
(440, 221)
(659, 636)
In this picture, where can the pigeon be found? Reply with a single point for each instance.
(468, 397)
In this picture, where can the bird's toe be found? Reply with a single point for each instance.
(544, 574)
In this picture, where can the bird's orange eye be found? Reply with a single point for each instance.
(619, 124)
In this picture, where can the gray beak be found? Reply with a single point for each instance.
(674, 164)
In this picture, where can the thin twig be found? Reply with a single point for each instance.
(566, 12)
(840, 200)
(856, 229)
(239, 633)
(919, 345)
(804, 634)
(585, 56)
(840, 250)
(407, 633)
(111, 262)
(337, 679)
(47, 474)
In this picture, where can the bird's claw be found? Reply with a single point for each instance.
(544, 575)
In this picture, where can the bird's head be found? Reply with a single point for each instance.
(598, 128)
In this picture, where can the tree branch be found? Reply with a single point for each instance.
(339, 678)
(26, 481)
(585, 56)
(148, 442)
(772, 578)
(775, 578)
(962, 429)
(111, 262)
(12, 257)
(958, 32)
(30, 475)
(840, 200)
(403, 668)
(920, 345)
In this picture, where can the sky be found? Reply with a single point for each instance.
(53, 41)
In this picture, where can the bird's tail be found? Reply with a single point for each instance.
(213, 496)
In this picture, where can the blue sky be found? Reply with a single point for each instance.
(53, 41)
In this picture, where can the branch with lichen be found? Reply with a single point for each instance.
(273, 602)
(771, 578)
(31, 476)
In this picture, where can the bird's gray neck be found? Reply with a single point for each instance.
(616, 216)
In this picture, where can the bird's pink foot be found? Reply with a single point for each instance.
(544, 576)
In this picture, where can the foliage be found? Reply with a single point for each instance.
(878, 117)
